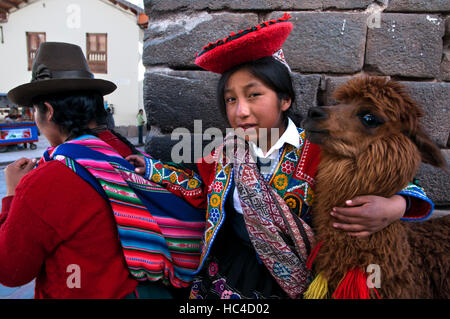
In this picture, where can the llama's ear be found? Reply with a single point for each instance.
(430, 152)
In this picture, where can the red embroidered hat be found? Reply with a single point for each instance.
(251, 44)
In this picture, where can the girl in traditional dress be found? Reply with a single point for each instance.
(258, 203)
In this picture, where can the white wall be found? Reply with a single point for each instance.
(69, 21)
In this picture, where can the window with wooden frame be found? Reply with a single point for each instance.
(34, 39)
(97, 52)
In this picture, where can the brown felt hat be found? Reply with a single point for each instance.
(58, 68)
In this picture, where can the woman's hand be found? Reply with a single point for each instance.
(15, 171)
(368, 214)
(138, 162)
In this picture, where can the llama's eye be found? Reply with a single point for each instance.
(370, 120)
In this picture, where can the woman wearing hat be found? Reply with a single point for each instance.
(258, 238)
(79, 223)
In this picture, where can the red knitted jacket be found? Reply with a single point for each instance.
(55, 228)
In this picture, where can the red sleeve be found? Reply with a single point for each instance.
(25, 240)
(56, 219)
(6, 204)
(416, 209)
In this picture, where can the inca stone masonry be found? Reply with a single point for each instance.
(332, 41)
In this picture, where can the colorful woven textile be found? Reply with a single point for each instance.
(159, 232)
(281, 239)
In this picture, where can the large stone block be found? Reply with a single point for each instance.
(406, 45)
(435, 182)
(306, 89)
(174, 40)
(184, 150)
(419, 5)
(434, 98)
(346, 4)
(445, 66)
(152, 6)
(263, 5)
(174, 99)
(266, 5)
(325, 42)
(447, 26)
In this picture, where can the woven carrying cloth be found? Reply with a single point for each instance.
(279, 237)
(160, 233)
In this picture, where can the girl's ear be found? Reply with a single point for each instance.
(286, 104)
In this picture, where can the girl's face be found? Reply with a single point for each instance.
(251, 106)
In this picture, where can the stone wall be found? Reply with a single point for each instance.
(332, 41)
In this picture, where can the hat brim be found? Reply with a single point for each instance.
(24, 94)
(252, 46)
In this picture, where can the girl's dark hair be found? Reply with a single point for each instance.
(270, 71)
(73, 111)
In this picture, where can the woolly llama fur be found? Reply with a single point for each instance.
(372, 143)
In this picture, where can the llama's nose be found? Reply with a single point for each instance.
(317, 114)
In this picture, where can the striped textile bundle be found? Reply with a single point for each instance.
(160, 233)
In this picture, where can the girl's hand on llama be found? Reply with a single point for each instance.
(365, 215)
(138, 162)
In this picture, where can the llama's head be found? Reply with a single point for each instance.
(371, 109)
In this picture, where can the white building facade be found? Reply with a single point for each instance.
(107, 31)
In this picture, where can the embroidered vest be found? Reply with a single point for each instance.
(293, 179)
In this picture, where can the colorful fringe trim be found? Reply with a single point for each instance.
(313, 255)
(352, 286)
(318, 289)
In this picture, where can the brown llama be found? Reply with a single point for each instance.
(372, 143)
